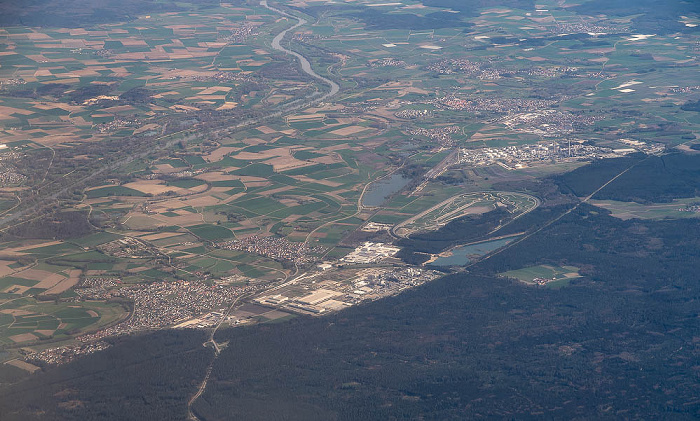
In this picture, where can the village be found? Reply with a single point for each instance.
(273, 247)
(368, 273)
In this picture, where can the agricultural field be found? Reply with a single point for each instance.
(68, 85)
(180, 145)
(29, 322)
(437, 76)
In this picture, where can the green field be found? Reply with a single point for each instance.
(629, 210)
(41, 321)
(556, 276)
(113, 191)
(211, 232)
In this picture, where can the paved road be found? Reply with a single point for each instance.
(7, 219)
(553, 221)
(217, 350)
(436, 171)
(536, 201)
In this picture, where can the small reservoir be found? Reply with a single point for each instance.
(464, 255)
(379, 191)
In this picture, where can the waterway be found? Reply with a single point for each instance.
(305, 65)
(378, 192)
(463, 255)
(334, 88)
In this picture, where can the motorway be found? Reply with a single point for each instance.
(164, 142)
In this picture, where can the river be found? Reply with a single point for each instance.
(305, 64)
(306, 67)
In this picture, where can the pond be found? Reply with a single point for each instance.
(463, 255)
(378, 192)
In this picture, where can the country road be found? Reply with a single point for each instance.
(217, 350)
(7, 219)
(334, 89)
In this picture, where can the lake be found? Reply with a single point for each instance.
(461, 255)
(378, 192)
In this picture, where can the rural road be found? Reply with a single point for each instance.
(217, 349)
(334, 89)
(7, 219)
